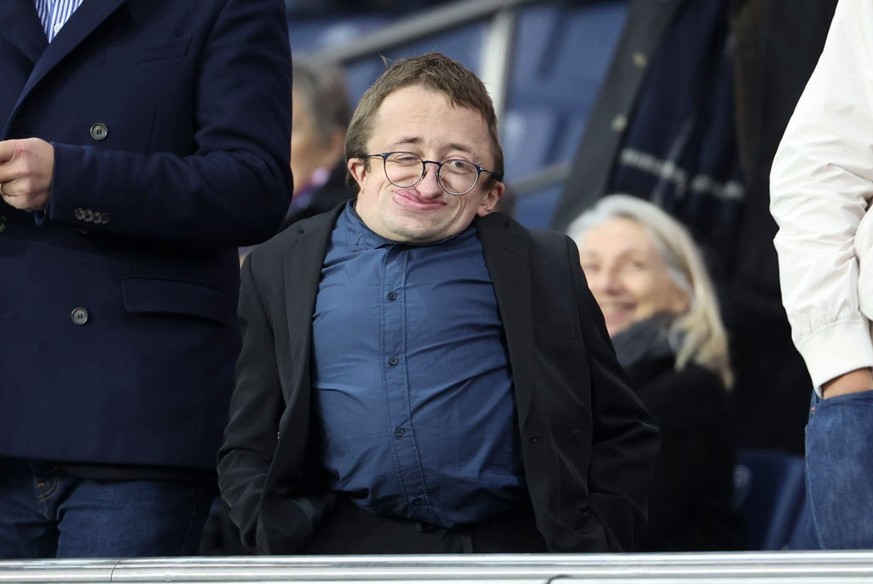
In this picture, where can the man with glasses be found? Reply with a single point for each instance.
(420, 374)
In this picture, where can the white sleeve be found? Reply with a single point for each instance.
(820, 189)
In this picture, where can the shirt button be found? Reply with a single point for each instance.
(392, 296)
(393, 361)
(99, 131)
(418, 501)
(79, 316)
(399, 432)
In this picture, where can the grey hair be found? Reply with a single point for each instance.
(698, 334)
(323, 86)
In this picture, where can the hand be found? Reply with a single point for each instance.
(26, 168)
(851, 382)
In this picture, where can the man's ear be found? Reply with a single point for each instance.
(357, 169)
(490, 198)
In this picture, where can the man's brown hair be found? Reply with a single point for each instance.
(433, 71)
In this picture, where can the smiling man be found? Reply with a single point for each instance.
(421, 374)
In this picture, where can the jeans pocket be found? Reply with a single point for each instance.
(839, 455)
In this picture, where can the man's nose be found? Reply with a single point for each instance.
(430, 184)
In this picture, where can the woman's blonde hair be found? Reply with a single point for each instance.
(697, 335)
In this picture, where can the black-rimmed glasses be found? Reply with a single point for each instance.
(455, 176)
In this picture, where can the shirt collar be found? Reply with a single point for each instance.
(361, 237)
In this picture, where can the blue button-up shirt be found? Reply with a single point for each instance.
(411, 378)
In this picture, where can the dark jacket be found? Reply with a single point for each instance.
(690, 504)
(170, 124)
(588, 446)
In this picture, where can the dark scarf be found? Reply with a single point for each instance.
(647, 339)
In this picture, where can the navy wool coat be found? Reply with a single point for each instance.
(170, 121)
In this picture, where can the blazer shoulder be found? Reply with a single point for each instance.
(499, 224)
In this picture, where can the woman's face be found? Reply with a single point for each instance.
(627, 275)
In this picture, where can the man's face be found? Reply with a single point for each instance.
(424, 122)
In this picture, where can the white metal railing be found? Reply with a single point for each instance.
(724, 568)
(496, 51)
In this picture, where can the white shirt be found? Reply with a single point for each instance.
(821, 184)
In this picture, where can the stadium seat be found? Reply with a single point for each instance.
(770, 489)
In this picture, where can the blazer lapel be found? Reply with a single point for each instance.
(507, 255)
(301, 266)
(301, 271)
(22, 28)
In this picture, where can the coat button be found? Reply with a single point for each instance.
(79, 316)
(619, 123)
(79, 214)
(89, 216)
(639, 59)
(99, 131)
(2, 223)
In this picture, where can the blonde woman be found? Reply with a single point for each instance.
(662, 315)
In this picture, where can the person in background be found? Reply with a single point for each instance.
(320, 113)
(142, 142)
(821, 192)
(662, 315)
(421, 374)
(689, 116)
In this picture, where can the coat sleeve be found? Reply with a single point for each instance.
(821, 185)
(210, 166)
(256, 407)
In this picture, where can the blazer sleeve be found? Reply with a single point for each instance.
(256, 407)
(214, 170)
(624, 439)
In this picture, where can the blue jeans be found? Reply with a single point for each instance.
(839, 467)
(47, 513)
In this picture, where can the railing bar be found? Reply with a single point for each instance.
(415, 28)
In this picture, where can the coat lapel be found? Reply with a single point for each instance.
(21, 26)
(507, 255)
(82, 23)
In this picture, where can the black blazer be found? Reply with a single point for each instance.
(588, 446)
